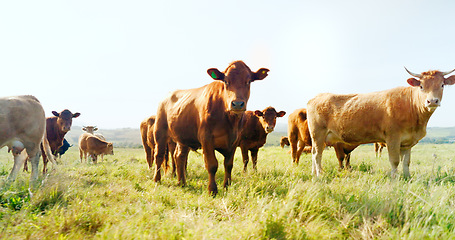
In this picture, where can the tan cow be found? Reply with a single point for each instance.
(397, 116)
(93, 146)
(22, 126)
(92, 130)
(378, 146)
(254, 134)
(209, 117)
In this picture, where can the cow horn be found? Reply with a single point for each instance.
(413, 74)
(446, 73)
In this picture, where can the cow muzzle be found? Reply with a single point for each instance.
(432, 103)
(238, 106)
(269, 129)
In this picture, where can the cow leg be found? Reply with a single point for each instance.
(19, 158)
(34, 161)
(181, 157)
(245, 157)
(172, 152)
(294, 141)
(376, 149)
(340, 154)
(316, 150)
(211, 164)
(26, 165)
(406, 156)
(149, 155)
(44, 160)
(348, 161)
(394, 156)
(228, 165)
(161, 140)
(300, 148)
(254, 158)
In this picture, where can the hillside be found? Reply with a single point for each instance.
(131, 137)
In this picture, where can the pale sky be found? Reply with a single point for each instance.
(114, 61)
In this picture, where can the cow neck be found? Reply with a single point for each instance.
(54, 133)
(423, 114)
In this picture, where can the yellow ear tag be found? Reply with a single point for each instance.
(264, 72)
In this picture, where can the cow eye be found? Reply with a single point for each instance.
(421, 87)
(442, 86)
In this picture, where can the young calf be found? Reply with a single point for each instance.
(254, 134)
(93, 146)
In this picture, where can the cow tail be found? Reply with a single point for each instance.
(47, 150)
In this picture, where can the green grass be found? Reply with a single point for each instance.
(117, 199)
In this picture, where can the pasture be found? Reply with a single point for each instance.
(117, 199)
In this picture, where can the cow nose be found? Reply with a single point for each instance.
(433, 102)
(269, 129)
(237, 105)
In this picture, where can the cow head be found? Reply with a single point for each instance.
(237, 78)
(65, 119)
(109, 149)
(431, 86)
(90, 129)
(267, 117)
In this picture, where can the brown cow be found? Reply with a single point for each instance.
(378, 146)
(148, 142)
(209, 117)
(299, 136)
(22, 125)
(397, 116)
(254, 134)
(93, 146)
(284, 141)
(56, 128)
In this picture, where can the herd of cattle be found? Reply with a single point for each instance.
(214, 117)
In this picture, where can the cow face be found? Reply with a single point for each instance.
(90, 129)
(109, 149)
(267, 117)
(431, 86)
(237, 78)
(65, 119)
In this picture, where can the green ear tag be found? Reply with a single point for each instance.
(213, 75)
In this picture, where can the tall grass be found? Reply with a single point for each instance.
(117, 199)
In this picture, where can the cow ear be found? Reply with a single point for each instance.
(215, 74)
(76, 115)
(450, 80)
(258, 113)
(280, 113)
(55, 113)
(414, 82)
(95, 129)
(84, 129)
(260, 74)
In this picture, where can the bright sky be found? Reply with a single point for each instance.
(114, 61)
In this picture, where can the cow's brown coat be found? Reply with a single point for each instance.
(254, 134)
(208, 117)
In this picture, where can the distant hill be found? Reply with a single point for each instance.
(131, 137)
(121, 137)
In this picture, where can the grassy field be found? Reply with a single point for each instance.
(117, 199)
